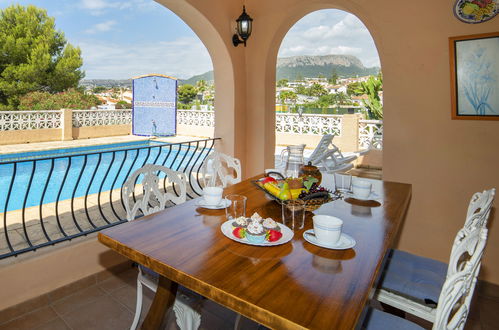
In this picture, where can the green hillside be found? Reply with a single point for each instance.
(296, 67)
(311, 71)
(207, 76)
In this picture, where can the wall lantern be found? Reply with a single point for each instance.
(244, 25)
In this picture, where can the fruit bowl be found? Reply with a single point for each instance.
(310, 192)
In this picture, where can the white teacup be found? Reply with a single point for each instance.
(327, 229)
(212, 195)
(361, 189)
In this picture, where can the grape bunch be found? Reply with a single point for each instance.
(317, 188)
(315, 191)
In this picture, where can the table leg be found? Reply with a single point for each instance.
(164, 299)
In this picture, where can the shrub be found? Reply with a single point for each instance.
(69, 99)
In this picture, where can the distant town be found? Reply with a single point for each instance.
(319, 95)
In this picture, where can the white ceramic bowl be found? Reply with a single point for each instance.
(327, 229)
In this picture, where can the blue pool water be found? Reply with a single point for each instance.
(74, 173)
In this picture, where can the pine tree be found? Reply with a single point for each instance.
(34, 56)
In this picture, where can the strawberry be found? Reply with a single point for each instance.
(239, 232)
(273, 235)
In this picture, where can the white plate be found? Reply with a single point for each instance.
(372, 196)
(287, 235)
(345, 241)
(202, 203)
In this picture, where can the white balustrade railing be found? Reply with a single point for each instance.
(85, 118)
(370, 131)
(24, 120)
(308, 124)
(201, 118)
(371, 134)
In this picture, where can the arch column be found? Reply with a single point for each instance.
(212, 23)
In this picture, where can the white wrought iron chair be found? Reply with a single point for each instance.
(155, 196)
(457, 291)
(413, 283)
(217, 169)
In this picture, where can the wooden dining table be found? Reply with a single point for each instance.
(293, 285)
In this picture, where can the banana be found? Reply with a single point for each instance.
(296, 192)
(272, 188)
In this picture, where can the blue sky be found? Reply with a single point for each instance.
(330, 31)
(123, 39)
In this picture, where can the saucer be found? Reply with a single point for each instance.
(372, 196)
(202, 203)
(345, 241)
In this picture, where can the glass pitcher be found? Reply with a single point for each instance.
(294, 160)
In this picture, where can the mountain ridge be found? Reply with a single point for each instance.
(308, 66)
(291, 68)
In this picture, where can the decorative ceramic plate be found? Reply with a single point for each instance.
(476, 11)
(287, 235)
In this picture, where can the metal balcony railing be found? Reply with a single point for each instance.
(48, 200)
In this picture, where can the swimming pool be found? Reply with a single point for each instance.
(41, 177)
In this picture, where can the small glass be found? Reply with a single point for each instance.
(343, 182)
(236, 207)
(293, 213)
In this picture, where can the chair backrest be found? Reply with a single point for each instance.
(479, 208)
(217, 166)
(322, 147)
(155, 192)
(464, 264)
(455, 298)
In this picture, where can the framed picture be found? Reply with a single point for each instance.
(474, 68)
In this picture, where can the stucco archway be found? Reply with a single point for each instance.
(326, 32)
(261, 59)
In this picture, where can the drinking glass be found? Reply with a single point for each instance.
(236, 207)
(293, 213)
(343, 182)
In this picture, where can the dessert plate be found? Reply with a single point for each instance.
(345, 241)
(287, 235)
(202, 203)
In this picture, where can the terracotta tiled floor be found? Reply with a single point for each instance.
(110, 305)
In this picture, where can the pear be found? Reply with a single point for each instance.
(285, 193)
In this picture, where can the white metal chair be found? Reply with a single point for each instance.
(457, 291)
(413, 283)
(479, 208)
(217, 169)
(155, 196)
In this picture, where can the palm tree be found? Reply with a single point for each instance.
(201, 86)
(371, 88)
(287, 96)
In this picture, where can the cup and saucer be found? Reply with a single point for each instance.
(362, 190)
(327, 233)
(212, 199)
